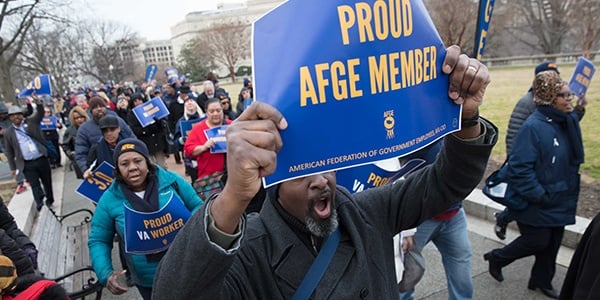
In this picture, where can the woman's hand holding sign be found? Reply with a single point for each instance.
(468, 81)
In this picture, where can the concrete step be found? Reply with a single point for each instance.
(482, 207)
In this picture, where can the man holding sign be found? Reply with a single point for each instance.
(266, 256)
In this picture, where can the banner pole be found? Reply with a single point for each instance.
(477, 31)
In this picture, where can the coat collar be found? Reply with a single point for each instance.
(290, 259)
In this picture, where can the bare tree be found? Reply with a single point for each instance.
(586, 28)
(454, 21)
(540, 24)
(16, 18)
(228, 43)
(48, 52)
(101, 44)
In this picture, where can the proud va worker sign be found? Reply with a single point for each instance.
(358, 82)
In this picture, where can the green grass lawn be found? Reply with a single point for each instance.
(509, 84)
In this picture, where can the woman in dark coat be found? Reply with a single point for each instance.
(153, 135)
(543, 169)
(77, 116)
(15, 244)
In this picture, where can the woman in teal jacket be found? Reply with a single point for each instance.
(142, 208)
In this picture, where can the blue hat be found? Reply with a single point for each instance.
(546, 66)
(129, 145)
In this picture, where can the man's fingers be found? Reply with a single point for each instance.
(480, 81)
(469, 74)
(264, 134)
(257, 150)
(263, 140)
(262, 111)
(451, 59)
(456, 79)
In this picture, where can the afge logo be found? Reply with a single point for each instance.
(127, 147)
(388, 123)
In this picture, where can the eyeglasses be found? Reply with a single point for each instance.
(224, 102)
(566, 95)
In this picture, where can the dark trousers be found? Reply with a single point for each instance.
(39, 170)
(145, 292)
(543, 243)
(177, 156)
(56, 160)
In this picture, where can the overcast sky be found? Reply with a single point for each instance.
(152, 19)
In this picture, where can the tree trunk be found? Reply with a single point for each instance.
(232, 74)
(8, 89)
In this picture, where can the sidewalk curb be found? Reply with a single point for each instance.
(23, 208)
(482, 207)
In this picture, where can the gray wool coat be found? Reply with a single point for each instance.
(269, 260)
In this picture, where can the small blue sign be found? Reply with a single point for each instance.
(40, 86)
(358, 82)
(151, 72)
(186, 126)
(582, 76)
(150, 111)
(147, 233)
(217, 134)
(93, 187)
(49, 123)
(172, 75)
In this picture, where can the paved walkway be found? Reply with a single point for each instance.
(433, 284)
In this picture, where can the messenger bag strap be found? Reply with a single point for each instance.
(318, 267)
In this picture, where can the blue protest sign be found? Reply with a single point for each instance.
(358, 82)
(217, 134)
(364, 177)
(153, 232)
(49, 123)
(151, 72)
(582, 76)
(186, 126)
(94, 186)
(182, 79)
(172, 75)
(40, 85)
(486, 7)
(147, 112)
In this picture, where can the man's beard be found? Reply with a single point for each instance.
(320, 227)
